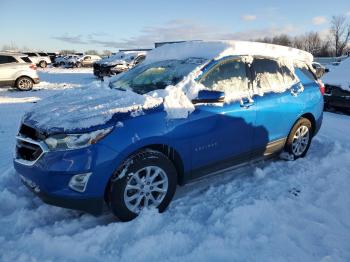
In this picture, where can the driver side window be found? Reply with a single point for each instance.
(228, 76)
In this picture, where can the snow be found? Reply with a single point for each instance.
(339, 75)
(273, 211)
(222, 48)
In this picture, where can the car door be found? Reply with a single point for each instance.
(8, 68)
(222, 133)
(278, 106)
(87, 61)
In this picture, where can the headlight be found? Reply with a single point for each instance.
(75, 141)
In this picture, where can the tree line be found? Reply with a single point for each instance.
(335, 43)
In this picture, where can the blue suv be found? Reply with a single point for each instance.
(245, 108)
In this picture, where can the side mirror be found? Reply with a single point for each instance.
(209, 96)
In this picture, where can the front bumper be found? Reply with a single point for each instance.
(93, 206)
(50, 175)
(36, 80)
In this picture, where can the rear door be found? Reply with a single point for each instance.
(277, 99)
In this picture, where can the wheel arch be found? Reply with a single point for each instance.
(169, 151)
(312, 119)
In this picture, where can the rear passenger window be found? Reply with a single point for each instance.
(269, 76)
(4, 59)
(228, 76)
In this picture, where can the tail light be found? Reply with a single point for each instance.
(322, 87)
(32, 66)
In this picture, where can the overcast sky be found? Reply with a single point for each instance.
(106, 24)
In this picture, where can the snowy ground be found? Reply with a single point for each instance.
(278, 211)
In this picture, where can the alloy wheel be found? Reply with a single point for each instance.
(146, 188)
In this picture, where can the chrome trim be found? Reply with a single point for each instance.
(42, 145)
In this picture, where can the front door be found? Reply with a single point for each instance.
(223, 132)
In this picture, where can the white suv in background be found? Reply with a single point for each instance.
(17, 70)
(40, 59)
(85, 61)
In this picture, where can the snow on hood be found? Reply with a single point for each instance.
(86, 107)
(339, 75)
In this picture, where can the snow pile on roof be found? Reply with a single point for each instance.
(87, 107)
(339, 75)
(219, 49)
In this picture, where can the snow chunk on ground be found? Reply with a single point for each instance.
(339, 75)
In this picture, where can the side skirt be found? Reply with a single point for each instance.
(271, 150)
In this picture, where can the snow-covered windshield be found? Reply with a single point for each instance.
(158, 75)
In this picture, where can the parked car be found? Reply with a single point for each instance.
(118, 63)
(40, 59)
(17, 70)
(226, 103)
(52, 57)
(82, 61)
(337, 87)
(61, 60)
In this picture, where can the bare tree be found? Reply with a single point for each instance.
(91, 52)
(340, 31)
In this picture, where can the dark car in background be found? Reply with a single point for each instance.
(118, 63)
(337, 87)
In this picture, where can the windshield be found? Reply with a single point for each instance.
(145, 78)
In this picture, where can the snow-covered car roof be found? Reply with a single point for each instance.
(221, 48)
(339, 75)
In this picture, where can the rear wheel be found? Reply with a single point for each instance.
(43, 64)
(24, 83)
(78, 64)
(147, 179)
(299, 138)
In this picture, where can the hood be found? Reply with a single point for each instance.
(85, 109)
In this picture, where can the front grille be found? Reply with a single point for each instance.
(28, 151)
(30, 146)
(28, 131)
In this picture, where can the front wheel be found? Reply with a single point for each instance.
(147, 179)
(299, 138)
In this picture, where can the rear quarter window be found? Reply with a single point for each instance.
(26, 59)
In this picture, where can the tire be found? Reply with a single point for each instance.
(132, 183)
(62, 64)
(78, 64)
(43, 64)
(24, 83)
(299, 138)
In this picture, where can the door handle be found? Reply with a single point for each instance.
(246, 102)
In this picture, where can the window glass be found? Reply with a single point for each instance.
(269, 76)
(139, 59)
(4, 59)
(158, 75)
(42, 54)
(26, 59)
(228, 76)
